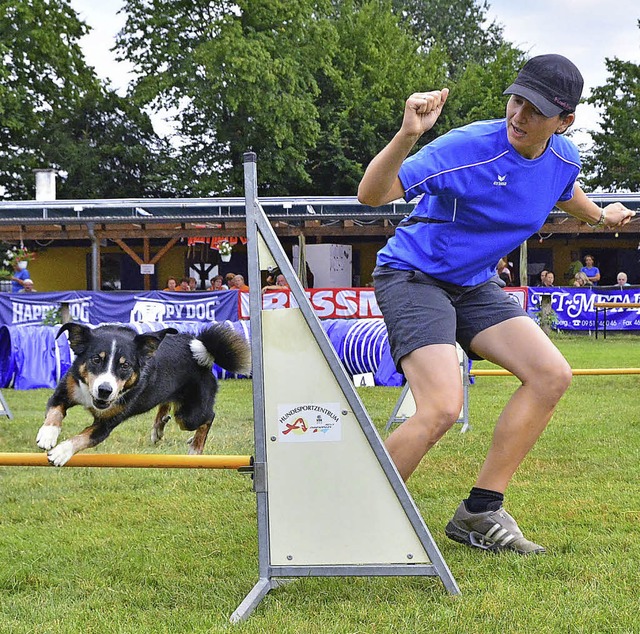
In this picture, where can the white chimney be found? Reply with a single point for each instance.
(45, 184)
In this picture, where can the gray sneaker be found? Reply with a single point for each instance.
(493, 530)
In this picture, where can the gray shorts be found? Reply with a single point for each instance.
(420, 310)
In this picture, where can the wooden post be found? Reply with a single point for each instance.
(65, 313)
(524, 266)
(146, 256)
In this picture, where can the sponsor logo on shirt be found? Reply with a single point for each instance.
(501, 182)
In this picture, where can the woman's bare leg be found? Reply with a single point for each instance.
(518, 345)
(433, 373)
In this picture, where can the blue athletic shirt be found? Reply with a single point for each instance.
(481, 200)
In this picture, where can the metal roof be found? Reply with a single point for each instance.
(292, 209)
(100, 210)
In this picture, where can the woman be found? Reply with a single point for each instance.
(590, 270)
(217, 284)
(487, 187)
(580, 279)
(172, 284)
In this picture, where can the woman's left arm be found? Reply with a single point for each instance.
(581, 207)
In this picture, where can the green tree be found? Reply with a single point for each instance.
(459, 27)
(106, 148)
(56, 113)
(613, 163)
(240, 76)
(43, 70)
(314, 87)
(374, 67)
(477, 94)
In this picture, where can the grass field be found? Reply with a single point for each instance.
(147, 551)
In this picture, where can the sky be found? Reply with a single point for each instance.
(585, 31)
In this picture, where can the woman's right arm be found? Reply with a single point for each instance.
(380, 183)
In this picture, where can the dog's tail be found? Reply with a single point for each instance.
(221, 344)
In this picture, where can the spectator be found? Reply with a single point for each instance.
(193, 284)
(27, 286)
(184, 285)
(171, 284)
(20, 274)
(590, 270)
(574, 267)
(280, 283)
(228, 278)
(217, 284)
(543, 277)
(549, 279)
(504, 272)
(433, 278)
(622, 280)
(238, 283)
(580, 279)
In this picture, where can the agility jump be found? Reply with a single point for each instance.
(328, 496)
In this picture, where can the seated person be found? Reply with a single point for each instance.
(172, 284)
(27, 286)
(228, 280)
(280, 284)
(622, 280)
(217, 284)
(549, 279)
(580, 279)
(504, 272)
(238, 283)
(543, 276)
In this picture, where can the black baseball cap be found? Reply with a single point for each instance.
(552, 83)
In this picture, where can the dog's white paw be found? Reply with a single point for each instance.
(61, 454)
(156, 436)
(47, 436)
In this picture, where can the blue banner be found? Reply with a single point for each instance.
(97, 307)
(573, 307)
(575, 310)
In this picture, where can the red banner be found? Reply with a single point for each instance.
(339, 303)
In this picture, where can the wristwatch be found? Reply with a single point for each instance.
(600, 223)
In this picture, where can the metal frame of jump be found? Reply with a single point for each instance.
(4, 408)
(405, 406)
(297, 484)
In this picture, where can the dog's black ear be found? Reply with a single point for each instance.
(148, 343)
(166, 331)
(79, 335)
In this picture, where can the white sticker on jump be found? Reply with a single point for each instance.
(309, 422)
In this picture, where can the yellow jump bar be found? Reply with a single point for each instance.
(575, 371)
(142, 461)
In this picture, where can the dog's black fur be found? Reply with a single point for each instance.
(118, 373)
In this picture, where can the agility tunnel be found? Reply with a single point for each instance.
(31, 357)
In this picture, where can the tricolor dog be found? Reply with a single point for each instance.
(118, 373)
